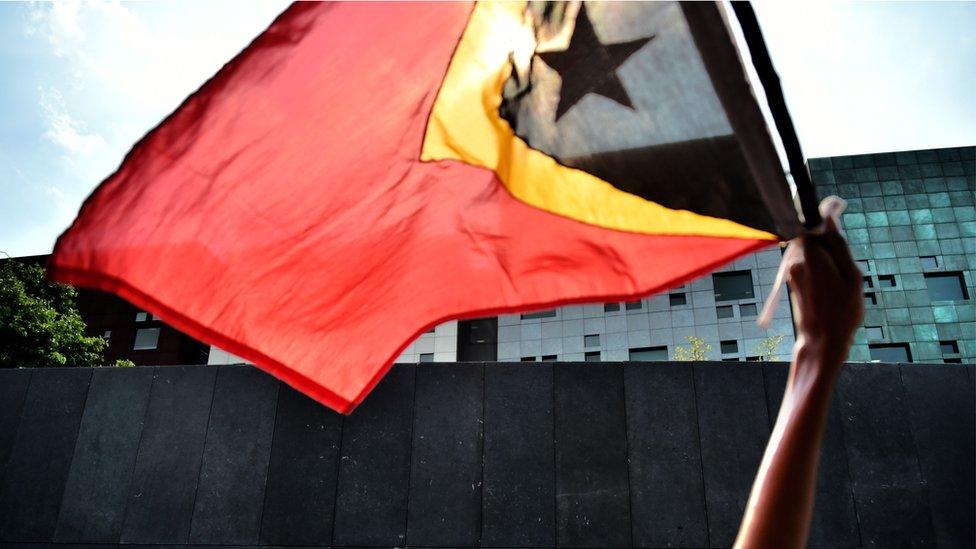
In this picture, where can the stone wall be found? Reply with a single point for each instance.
(472, 455)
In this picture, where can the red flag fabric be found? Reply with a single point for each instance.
(283, 212)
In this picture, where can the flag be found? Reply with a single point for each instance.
(365, 171)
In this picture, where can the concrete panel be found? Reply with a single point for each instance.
(518, 457)
(834, 521)
(667, 493)
(734, 426)
(13, 389)
(592, 490)
(234, 471)
(445, 479)
(300, 499)
(941, 413)
(95, 495)
(164, 480)
(374, 472)
(33, 483)
(881, 455)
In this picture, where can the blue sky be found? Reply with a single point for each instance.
(80, 83)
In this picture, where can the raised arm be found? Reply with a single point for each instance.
(828, 307)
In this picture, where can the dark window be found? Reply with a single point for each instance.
(734, 285)
(649, 354)
(887, 281)
(142, 316)
(426, 357)
(593, 356)
(678, 299)
(875, 332)
(863, 265)
(633, 305)
(747, 310)
(541, 314)
(610, 307)
(868, 283)
(731, 359)
(893, 352)
(729, 346)
(528, 359)
(146, 338)
(724, 311)
(752, 359)
(946, 287)
(952, 360)
(548, 358)
(591, 340)
(870, 298)
(929, 262)
(949, 347)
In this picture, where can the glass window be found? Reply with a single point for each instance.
(729, 346)
(870, 298)
(648, 354)
(592, 340)
(142, 316)
(949, 347)
(146, 338)
(929, 262)
(863, 265)
(540, 314)
(678, 299)
(528, 359)
(868, 283)
(895, 352)
(548, 358)
(747, 310)
(610, 307)
(752, 359)
(426, 357)
(734, 285)
(107, 334)
(592, 356)
(886, 281)
(724, 311)
(633, 305)
(952, 360)
(875, 332)
(945, 286)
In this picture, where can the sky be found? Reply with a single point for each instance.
(80, 83)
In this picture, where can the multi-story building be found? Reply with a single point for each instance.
(911, 225)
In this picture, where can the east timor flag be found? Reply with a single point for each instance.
(362, 172)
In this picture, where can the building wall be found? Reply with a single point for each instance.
(903, 206)
(655, 324)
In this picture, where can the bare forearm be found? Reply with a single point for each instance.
(781, 503)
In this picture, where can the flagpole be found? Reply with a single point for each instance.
(781, 115)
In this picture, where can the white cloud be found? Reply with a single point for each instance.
(62, 129)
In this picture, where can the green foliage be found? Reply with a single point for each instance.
(124, 363)
(697, 349)
(766, 350)
(39, 322)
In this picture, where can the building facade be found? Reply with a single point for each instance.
(911, 225)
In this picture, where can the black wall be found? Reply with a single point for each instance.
(469, 455)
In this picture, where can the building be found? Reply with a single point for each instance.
(911, 225)
(132, 334)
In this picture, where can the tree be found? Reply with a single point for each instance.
(39, 322)
(766, 350)
(697, 349)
